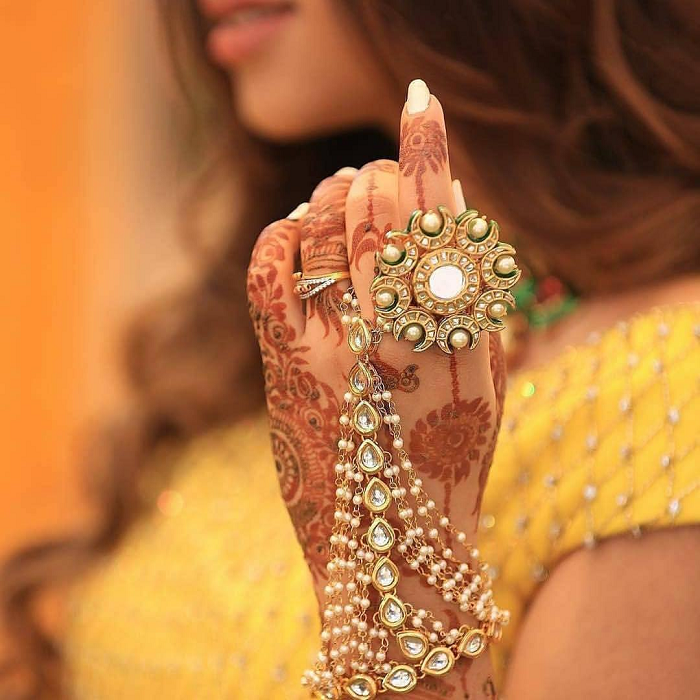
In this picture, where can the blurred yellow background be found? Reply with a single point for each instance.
(86, 207)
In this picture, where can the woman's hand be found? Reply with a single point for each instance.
(450, 405)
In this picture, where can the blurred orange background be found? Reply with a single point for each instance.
(87, 200)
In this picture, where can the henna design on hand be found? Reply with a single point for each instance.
(367, 238)
(326, 307)
(489, 689)
(405, 380)
(435, 689)
(302, 410)
(454, 376)
(423, 145)
(499, 374)
(497, 361)
(455, 686)
(448, 441)
(324, 249)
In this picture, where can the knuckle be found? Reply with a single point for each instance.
(331, 191)
(383, 165)
(268, 248)
(347, 172)
(321, 189)
(326, 220)
(384, 203)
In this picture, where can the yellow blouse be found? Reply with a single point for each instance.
(601, 442)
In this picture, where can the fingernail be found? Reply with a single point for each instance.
(299, 213)
(418, 97)
(347, 171)
(460, 204)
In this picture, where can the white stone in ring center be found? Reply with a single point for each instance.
(446, 282)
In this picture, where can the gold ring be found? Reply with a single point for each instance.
(307, 287)
(444, 279)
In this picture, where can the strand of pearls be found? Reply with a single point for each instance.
(362, 611)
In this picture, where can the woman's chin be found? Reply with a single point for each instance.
(277, 126)
(291, 113)
(281, 125)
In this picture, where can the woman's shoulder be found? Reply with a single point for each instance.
(625, 401)
(661, 327)
(626, 361)
(600, 442)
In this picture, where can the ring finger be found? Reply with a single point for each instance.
(372, 209)
(324, 250)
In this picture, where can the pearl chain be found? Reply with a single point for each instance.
(354, 657)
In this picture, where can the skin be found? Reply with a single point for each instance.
(603, 624)
(592, 600)
(454, 400)
(314, 73)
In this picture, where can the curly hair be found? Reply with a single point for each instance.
(581, 121)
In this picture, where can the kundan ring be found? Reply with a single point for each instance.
(444, 280)
(307, 287)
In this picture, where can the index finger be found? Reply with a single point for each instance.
(424, 165)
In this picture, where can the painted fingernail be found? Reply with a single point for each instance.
(299, 213)
(460, 204)
(347, 171)
(418, 97)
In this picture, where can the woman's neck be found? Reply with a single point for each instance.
(600, 312)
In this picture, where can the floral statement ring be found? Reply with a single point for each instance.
(444, 280)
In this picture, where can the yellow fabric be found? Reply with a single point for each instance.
(209, 596)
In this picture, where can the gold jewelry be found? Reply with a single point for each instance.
(444, 280)
(307, 287)
(373, 475)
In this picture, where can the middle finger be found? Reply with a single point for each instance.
(324, 250)
(371, 210)
(424, 165)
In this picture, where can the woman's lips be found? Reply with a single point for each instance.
(244, 29)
